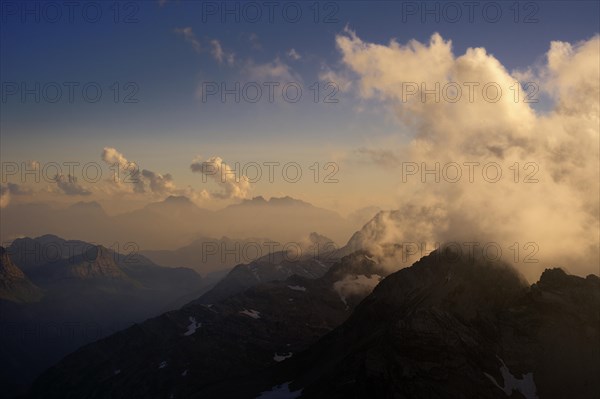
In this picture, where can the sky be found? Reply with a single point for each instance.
(161, 57)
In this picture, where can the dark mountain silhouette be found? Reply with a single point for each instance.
(189, 350)
(86, 296)
(175, 222)
(14, 284)
(444, 329)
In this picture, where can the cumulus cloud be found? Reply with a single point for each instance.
(18, 189)
(220, 55)
(190, 37)
(293, 54)
(128, 178)
(548, 193)
(234, 185)
(4, 196)
(135, 180)
(69, 185)
(160, 184)
(276, 71)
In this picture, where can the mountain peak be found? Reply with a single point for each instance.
(177, 199)
(97, 261)
(14, 285)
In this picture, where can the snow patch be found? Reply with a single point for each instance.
(281, 358)
(255, 314)
(184, 373)
(162, 365)
(280, 392)
(526, 385)
(192, 327)
(117, 372)
(297, 288)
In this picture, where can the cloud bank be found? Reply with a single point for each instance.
(549, 190)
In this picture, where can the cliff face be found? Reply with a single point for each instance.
(14, 284)
(461, 330)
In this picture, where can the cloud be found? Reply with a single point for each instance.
(255, 41)
(216, 49)
(136, 180)
(160, 184)
(220, 55)
(276, 71)
(293, 54)
(128, 178)
(233, 185)
(339, 78)
(4, 196)
(111, 156)
(69, 186)
(559, 213)
(18, 189)
(189, 36)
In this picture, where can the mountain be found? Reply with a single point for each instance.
(32, 253)
(95, 263)
(165, 224)
(208, 255)
(310, 260)
(191, 350)
(14, 284)
(444, 329)
(175, 222)
(284, 219)
(89, 291)
(245, 276)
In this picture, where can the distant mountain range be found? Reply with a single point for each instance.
(332, 325)
(56, 295)
(440, 328)
(216, 337)
(458, 329)
(14, 284)
(176, 222)
(208, 255)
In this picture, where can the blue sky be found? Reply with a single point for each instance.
(170, 124)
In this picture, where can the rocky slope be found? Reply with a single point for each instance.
(462, 329)
(14, 284)
(89, 295)
(201, 346)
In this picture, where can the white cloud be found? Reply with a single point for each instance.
(220, 55)
(559, 213)
(189, 35)
(293, 54)
(4, 196)
(276, 71)
(234, 185)
(69, 185)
